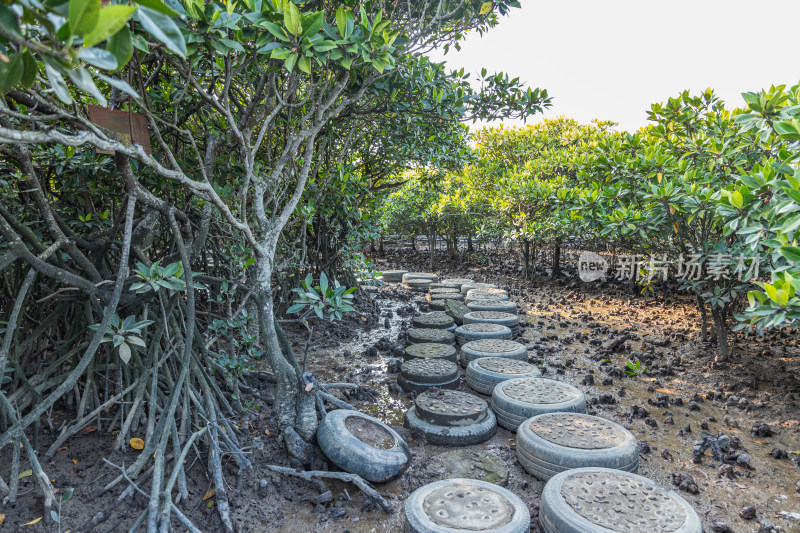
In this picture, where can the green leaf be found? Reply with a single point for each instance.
(30, 70)
(97, 57)
(792, 253)
(112, 19)
(11, 72)
(121, 45)
(312, 24)
(83, 15)
(9, 22)
(67, 495)
(125, 352)
(304, 64)
(291, 19)
(232, 44)
(58, 84)
(119, 84)
(163, 29)
(296, 308)
(157, 5)
(341, 21)
(81, 77)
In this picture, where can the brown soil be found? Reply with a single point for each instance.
(369, 433)
(566, 324)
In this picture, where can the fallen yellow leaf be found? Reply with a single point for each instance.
(34, 521)
(25, 473)
(74, 461)
(2, 518)
(209, 494)
(137, 444)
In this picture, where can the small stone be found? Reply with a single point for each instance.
(727, 471)
(777, 453)
(262, 488)
(797, 486)
(325, 497)
(666, 455)
(669, 421)
(761, 430)
(371, 352)
(720, 527)
(743, 403)
(743, 459)
(368, 506)
(724, 442)
(693, 406)
(686, 483)
(644, 447)
(730, 421)
(704, 426)
(337, 513)
(748, 512)
(651, 422)
(607, 382)
(394, 365)
(766, 527)
(687, 428)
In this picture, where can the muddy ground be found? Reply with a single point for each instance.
(580, 333)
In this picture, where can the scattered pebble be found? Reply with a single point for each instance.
(748, 512)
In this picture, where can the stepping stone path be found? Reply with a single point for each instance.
(601, 500)
(394, 276)
(554, 442)
(494, 317)
(479, 330)
(431, 350)
(463, 505)
(486, 372)
(420, 374)
(441, 336)
(435, 320)
(470, 462)
(516, 400)
(433, 278)
(456, 282)
(417, 284)
(443, 290)
(486, 294)
(493, 348)
(451, 418)
(363, 445)
(437, 301)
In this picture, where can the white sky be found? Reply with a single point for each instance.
(611, 59)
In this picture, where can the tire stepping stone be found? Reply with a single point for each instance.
(602, 500)
(517, 400)
(442, 290)
(394, 276)
(435, 320)
(469, 286)
(494, 317)
(503, 306)
(437, 302)
(481, 330)
(493, 348)
(431, 350)
(551, 443)
(463, 505)
(417, 284)
(363, 445)
(420, 275)
(457, 282)
(440, 336)
(421, 374)
(484, 373)
(451, 418)
(486, 294)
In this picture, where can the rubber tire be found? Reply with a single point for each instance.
(442, 336)
(407, 370)
(457, 282)
(445, 296)
(417, 284)
(453, 435)
(357, 457)
(442, 290)
(394, 276)
(502, 306)
(468, 286)
(511, 413)
(450, 355)
(510, 321)
(417, 522)
(417, 387)
(557, 517)
(544, 471)
(421, 275)
(464, 336)
(450, 324)
(457, 310)
(469, 352)
(488, 294)
(484, 381)
(542, 453)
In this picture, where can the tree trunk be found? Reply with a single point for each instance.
(721, 326)
(526, 252)
(470, 249)
(701, 306)
(380, 247)
(432, 246)
(414, 243)
(556, 259)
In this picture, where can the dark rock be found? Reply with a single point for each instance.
(588, 380)
(687, 428)
(704, 426)
(368, 506)
(669, 421)
(686, 483)
(650, 421)
(655, 341)
(767, 527)
(394, 365)
(720, 527)
(263, 489)
(371, 352)
(761, 430)
(743, 459)
(325, 497)
(337, 513)
(748, 512)
(607, 382)
(727, 471)
(693, 406)
(666, 455)
(644, 447)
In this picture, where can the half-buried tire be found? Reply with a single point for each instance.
(493, 348)
(465, 506)
(516, 400)
(432, 350)
(602, 500)
(479, 330)
(484, 373)
(433, 278)
(503, 306)
(493, 317)
(420, 375)
(451, 418)
(554, 442)
(440, 336)
(436, 320)
(394, 276)
(363, 445)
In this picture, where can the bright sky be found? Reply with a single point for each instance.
(611, 59)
